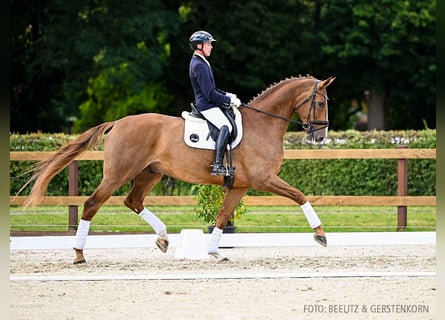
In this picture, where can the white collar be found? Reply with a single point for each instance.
(203, 58)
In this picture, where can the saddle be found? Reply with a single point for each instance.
(213, 130)
(201, 134)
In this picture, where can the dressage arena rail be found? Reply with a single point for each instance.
(402, 200)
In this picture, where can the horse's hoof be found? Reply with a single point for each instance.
(321, 240)
(79, 256)
(162, 244)
(79, 261)
(218, 256)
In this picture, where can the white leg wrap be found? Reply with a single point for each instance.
(214, 240)
(81, 234)
(156, 223)
(311, 215)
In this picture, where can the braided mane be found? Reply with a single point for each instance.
(279, 83)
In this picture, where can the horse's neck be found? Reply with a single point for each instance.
(278, 102)
(280, 99)
(264, 126)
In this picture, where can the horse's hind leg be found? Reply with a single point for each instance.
(91, 206)
(143, 183)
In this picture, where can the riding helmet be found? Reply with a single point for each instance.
(200, 37)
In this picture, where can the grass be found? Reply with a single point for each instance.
(257, 219)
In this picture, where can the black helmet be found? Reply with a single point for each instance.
(200, 37)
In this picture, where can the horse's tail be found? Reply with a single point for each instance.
(45, 170)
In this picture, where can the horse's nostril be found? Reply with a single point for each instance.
(320, 139)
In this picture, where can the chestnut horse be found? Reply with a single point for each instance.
(145, 147)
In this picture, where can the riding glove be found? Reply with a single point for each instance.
(235, 102)
(231, 95)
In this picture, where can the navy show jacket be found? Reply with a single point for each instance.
(206, 94)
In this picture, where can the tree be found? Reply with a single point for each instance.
(62, 47)
(100, 60)
(387, 50)
(42, 49)
(258, 42)
(130, 57)
(112, 96)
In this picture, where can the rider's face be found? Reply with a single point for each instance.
(207, 48)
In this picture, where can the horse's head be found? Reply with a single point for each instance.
(313, 111)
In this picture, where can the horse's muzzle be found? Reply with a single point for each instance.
(316, 136)
(316, 130)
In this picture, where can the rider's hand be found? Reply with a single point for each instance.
(231, 95)
(235, 102)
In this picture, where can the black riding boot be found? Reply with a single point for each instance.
(221, 144)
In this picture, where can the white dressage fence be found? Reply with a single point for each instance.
(229, 240)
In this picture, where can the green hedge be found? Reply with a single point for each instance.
(313, 177)
(372, 177)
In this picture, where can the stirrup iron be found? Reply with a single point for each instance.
(220, 170)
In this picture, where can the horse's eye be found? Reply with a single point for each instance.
(321, 104)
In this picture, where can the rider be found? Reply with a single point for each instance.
(208, 99)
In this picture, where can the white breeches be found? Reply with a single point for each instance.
(217, 118)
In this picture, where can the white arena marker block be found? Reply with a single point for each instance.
(193, 245)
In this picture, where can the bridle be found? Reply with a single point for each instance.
(308, 124)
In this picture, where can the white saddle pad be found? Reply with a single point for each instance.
(196, 131)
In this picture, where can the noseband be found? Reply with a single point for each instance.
(308, 125)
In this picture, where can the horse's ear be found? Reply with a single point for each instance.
(326, 82)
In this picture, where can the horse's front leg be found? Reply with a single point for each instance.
(231, 199)
(282, 188)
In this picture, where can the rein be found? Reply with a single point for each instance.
(308, 125)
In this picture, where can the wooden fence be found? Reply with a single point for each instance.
(402, 200)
